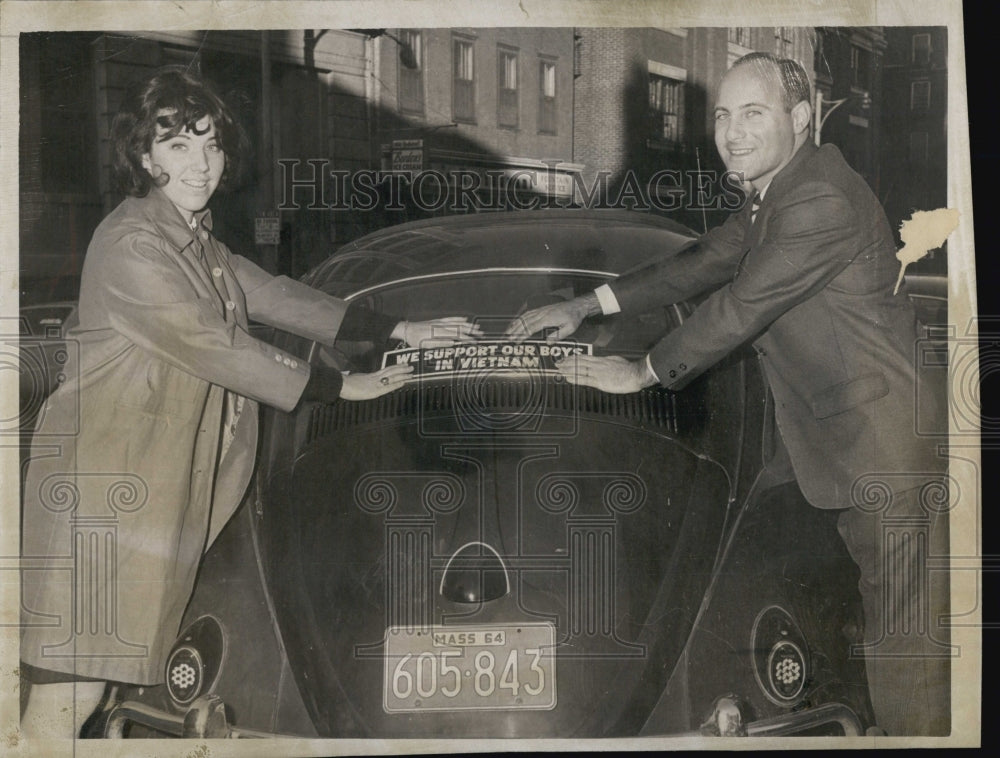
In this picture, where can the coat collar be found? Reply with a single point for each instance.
(167, 220)
(788, 176)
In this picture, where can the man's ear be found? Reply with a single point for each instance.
(801, 117)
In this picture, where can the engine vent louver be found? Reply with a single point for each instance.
(654, 406)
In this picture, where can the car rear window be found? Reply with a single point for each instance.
(493, 298)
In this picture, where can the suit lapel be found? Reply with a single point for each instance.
(785, 181)
(788, 177)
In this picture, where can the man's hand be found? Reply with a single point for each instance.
(608, 374)
(368, 386)
(439, 332)
(564, 318)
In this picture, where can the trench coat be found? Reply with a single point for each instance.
(131, 474)
(809, 283)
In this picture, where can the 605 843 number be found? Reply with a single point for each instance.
(514, 669)
(429, 673)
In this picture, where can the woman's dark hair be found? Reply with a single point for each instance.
(170, 99)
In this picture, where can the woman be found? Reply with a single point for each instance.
(143, 453)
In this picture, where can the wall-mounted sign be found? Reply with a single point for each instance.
(407, 155)
(267, 228)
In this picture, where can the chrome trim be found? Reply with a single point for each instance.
(492, 270)
(506, 576)
(791, 723)
(146, 715)
(204, 720)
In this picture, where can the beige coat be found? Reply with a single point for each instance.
(126, 485)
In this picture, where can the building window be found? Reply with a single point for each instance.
(861, 75)
(666, 108)
(507, 106)
(740, 35)
(411, 80)
(547, 97)
(921, 49)
(918, 149)
(783, 41)
(920, 95)
(820, 65)
(463, 103)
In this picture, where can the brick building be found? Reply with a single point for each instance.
(490, 108)
(849, 67)
(298, 93)
(644, 101)
(547, 111)
(914, 161)
(472, 100)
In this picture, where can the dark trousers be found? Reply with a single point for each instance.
(900, 543)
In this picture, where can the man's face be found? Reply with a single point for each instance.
(754, 133)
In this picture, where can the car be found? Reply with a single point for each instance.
(494, 552)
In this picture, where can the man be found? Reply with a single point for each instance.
(806, 272)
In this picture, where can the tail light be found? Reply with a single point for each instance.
(780, 656)
(195, 661)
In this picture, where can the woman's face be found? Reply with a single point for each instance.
(193, 161)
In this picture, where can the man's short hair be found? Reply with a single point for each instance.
(792, 77)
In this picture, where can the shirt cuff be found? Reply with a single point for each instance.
(649, 365)
(606, 297)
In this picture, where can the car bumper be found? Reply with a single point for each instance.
(206, 719)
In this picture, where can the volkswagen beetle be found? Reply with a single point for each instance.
(493, 552)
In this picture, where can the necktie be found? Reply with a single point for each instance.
(754, 207)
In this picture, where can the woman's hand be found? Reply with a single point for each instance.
(439, 332)
(375, 384)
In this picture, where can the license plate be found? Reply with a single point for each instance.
(457, 668)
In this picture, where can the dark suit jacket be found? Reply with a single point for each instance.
(810, 283)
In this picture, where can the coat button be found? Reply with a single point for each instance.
(683, 367)
(287, 361)
(672, 373)
(277, 357)
(230, 305)
(216, 271)
(294, 364)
